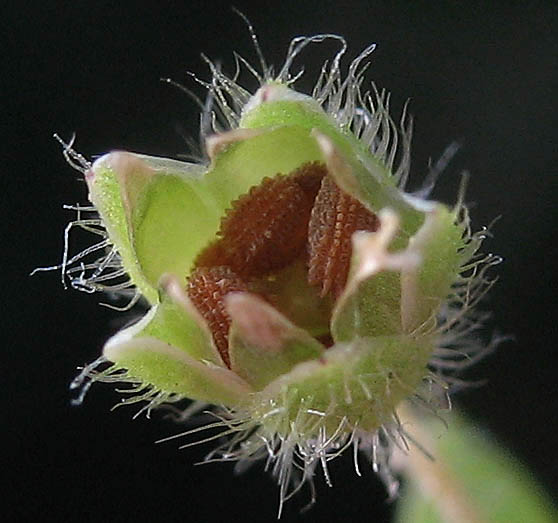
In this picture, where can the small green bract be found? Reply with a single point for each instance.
(300, 377)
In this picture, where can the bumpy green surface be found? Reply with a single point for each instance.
(361, 382)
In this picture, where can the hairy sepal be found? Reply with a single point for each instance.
(361, 382)
(115, 182)
(171, 350)
(167, 369)
(128, 191)
(425, 287)
(395, 292)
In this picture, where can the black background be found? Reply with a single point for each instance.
(485, 75)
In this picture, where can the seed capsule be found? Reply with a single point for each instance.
(207, 287)
(335, 217)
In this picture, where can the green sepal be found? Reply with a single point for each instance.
(185, 330)
(172, 350)
(115, 182)
(440, 246)
(263, 344)
(243, 164)
(361, 382)
(170, 370)
(394, 292)
(174, 220)
(370, 304)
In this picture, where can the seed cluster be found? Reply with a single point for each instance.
(303, 214)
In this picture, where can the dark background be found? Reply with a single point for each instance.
(484, 75)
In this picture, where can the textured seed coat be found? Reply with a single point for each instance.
(335, 217)
(207, 286)
(265, 230)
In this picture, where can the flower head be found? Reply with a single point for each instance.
(294, 287)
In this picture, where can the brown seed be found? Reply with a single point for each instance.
(335, 217)
(266, 229)
(309, 176)
(207, 287)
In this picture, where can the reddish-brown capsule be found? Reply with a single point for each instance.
(335, 217)
(207, 287)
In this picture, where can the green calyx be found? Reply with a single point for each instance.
(160, 214)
